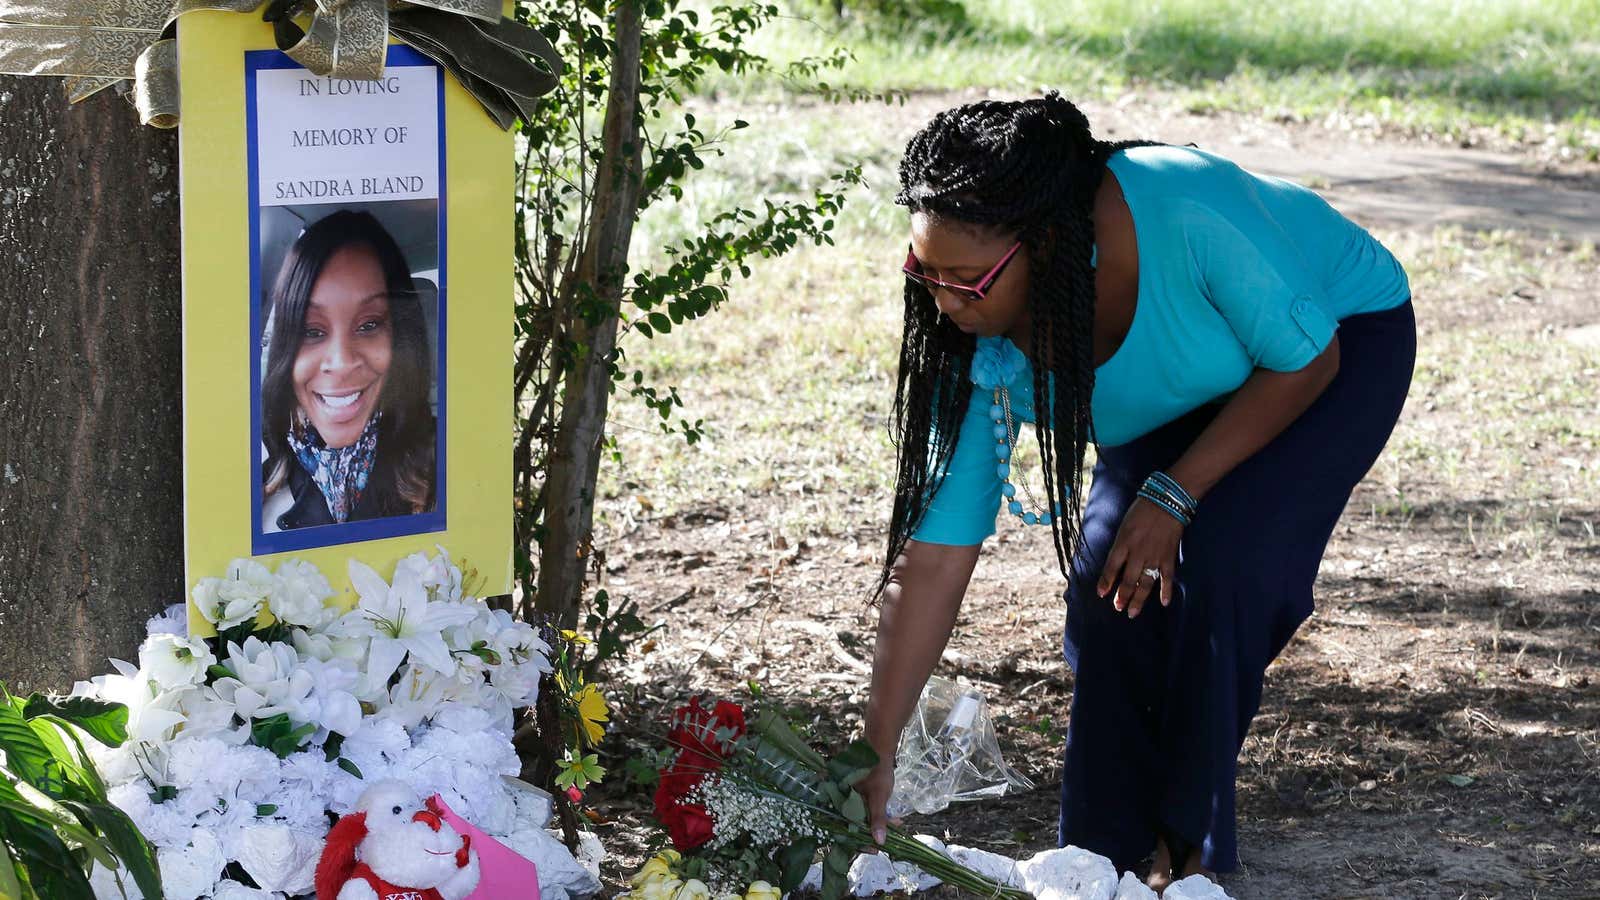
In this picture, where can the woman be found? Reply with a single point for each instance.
(345, 420)
(1237, 351)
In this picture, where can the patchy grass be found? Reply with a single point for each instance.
(1529, 71)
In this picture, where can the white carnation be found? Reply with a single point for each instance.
(190, 870)
(236, 598)
(301, 595)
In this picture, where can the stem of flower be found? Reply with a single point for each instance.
(901, 847)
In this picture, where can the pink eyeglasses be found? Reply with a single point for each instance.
(969, 293)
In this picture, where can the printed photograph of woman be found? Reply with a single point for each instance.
(348, 419)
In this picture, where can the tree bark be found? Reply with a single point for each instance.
(91, 496)
(575, 458)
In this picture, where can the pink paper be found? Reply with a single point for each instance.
(506, 874)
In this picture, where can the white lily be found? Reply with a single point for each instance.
(206, 714)
(400, 618)
(267, 679)
(172, 661)
(151, 713)
(439, 576)
(416, 697)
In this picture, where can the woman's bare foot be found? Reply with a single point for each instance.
(1163, 873)
(1160, 868)
(1192, 866)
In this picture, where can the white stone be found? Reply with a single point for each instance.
(875, 873)
(813, 880)
(1131, 887)
(535, 807)
(561, 877)
(992, 866)
(1069, 873)
(1195, 887)
(591, 853)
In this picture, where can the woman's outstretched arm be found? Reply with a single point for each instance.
(919, 612)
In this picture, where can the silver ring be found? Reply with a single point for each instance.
(1155, 574)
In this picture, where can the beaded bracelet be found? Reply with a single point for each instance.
(1165, 492)
(1172, 487)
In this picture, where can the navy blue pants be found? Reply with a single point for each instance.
(1162, 702)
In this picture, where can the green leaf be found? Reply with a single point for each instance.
(835, 885)
(55, 873)
(836, 872)
(61, 821)
(835, 796)
(105, 722)
(855, 809)
(42, 859)
(777, 731)
(852, 763)
(10, 887)
(795, 861)
(135, 853)
(278, 734)
(26, 755)
(265, 809)
(51, 737)
(91, 776)
(349, 766)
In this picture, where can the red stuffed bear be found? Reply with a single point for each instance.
(395, 847)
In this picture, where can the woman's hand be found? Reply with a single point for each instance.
(1148, 539)
(875, 788)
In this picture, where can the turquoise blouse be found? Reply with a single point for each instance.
(1237, 271)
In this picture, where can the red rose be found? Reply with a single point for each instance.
(688, 825)
(676, 782)
(695, 729)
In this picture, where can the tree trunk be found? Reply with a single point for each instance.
(91, 495)
(575, 457)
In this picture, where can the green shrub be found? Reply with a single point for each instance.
(55, 820)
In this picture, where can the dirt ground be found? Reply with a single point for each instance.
(1432, 731)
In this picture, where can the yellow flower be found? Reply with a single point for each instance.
(762, 891)
(655, 868)
(592, 711)
(575, 637)
(660, 889)
(672, 856)
(693, 889)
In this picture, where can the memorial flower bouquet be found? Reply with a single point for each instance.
(239, 745)
(749, 806)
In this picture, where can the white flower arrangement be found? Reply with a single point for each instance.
(241, 745)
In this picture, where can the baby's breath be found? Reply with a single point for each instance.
(767, 820)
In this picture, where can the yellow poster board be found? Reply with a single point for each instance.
(347, 312)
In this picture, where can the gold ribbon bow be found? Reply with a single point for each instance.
(98, 43)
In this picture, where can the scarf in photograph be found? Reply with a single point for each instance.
(340, 472)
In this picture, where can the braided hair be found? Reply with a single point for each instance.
(1032, 168)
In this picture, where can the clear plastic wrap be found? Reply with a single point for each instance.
(948, 752)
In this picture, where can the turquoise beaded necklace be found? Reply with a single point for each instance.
(995, 364)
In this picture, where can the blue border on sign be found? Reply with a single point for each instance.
(367, 529)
